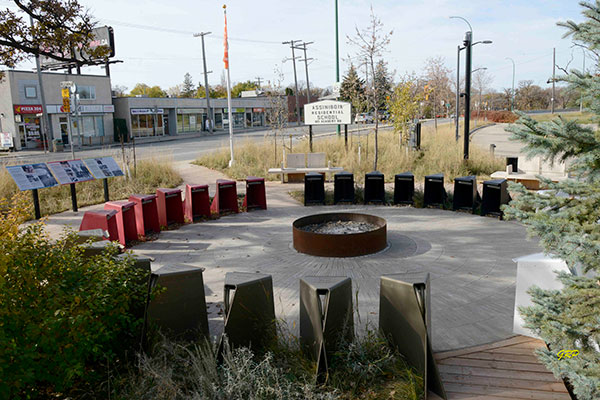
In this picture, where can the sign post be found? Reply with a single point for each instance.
(32, 177)
(66, 95)
(327, 112)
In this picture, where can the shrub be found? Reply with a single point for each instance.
(502, 116)
(62, 315)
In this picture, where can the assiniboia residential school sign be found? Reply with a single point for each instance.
(327, 112)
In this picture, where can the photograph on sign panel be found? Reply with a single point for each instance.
(72, 171)
(32, 176)
(104, 167)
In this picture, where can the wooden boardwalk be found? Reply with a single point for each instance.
(507, 369)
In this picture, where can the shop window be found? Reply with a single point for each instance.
(179, 123)
(86, 92)
(31, 92)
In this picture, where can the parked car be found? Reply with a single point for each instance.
(364, 118)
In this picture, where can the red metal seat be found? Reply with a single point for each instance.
(101, 219)
(146, 213)
(255, 193)
(127, 229)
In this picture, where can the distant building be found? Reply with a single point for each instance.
(21, 105)
(145, 116)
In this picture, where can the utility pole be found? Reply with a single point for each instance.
(553, 75)
(258, 80)
(468, 47)
(44, 133)
(206, 89)
(337, 55)
(512, 93)
(292, 43)
(306, 60)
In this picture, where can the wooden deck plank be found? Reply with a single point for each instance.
(510, 393)
(486, 347)
(471, 396)
(522, 358)
(511, 366)
(505, 382)
(497, 373)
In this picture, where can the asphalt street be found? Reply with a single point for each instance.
(183, 149)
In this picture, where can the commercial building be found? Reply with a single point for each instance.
(21, 109)
(150, 116)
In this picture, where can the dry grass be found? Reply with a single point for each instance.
(582, 118)
(150, 175)
(440, 153)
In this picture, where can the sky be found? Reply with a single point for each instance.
(154, 38)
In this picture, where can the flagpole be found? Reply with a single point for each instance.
(226, 60)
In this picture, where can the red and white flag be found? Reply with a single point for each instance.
(225, 44)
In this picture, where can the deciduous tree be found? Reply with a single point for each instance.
(404, 105)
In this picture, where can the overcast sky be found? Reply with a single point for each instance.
(154, 37)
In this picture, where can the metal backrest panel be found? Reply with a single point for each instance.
(316, 160)
(250, 310)
(181, 309)
(295, 160)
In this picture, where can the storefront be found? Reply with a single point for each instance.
(258, 117)
(147, 122)
(28, 121)
(190, 120)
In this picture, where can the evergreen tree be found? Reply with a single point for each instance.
(384, 83)
(188, 89)
(352, 90)
(568, 227)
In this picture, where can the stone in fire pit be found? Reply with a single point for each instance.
(339, 234)
(340, 227)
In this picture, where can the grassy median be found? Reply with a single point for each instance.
(440, 153)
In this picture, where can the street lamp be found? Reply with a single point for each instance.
(512, 93)
(456, 116)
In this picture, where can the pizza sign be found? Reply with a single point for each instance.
(28, 109)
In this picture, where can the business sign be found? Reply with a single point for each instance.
(108, 108)
(258, 110)
(105, 167)
(71, 171)
(327, 112)
(138, 111)
(66, 107)
(190, 111)
(32, 176)
(6, 140)
(102, 36)
(27, 109)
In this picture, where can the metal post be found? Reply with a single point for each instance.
(456, 117)
(553, 75)
(70, 122)
(346, 136)
(296, 85)
(77, 116)
(105, 185)
(310, 137)
(468, 47)
(36, 204)
(73, 197)
(337, 52)
(45, 133)
(107, 69)
(306, 69)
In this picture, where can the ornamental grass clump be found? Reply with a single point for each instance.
(64, 318)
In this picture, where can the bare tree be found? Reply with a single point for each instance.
(175, 91)
(371, 42)
(277, 111)
(481, 83)
(439, 84)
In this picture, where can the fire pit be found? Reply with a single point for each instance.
(340, 234)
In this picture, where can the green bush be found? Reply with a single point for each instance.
(62, 315)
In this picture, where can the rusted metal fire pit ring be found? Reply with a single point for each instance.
(339, 245)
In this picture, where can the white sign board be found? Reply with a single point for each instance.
(66, 84)
(32, 176)
(327, 112)
(105, 167)
(71, 171)
(6, 139)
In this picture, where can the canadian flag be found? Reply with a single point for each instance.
(225, 44)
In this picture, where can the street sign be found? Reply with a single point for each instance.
(66, 105)
(327, 112)
(65, 93)
(66, 84)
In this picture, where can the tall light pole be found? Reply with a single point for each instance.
(583, 71)
(512, 93)
(337, 53)
(458, 75)
(553, 76)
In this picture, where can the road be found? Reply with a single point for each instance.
(186, 149)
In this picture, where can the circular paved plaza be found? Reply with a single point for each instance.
(468, 257)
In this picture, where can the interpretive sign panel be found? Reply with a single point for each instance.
(327, 112)
(71, 171)
(32, 176)
(105, 167)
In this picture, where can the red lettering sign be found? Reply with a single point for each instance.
(28, 109)
(258, 110)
